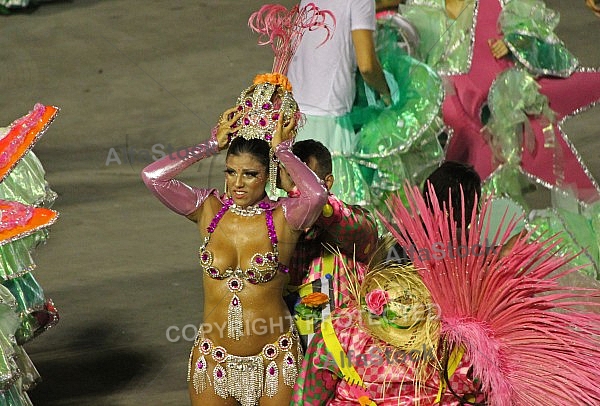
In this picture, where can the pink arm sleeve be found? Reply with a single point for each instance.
(176, 195)
(302, 211)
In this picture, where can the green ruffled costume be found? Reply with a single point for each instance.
(26, 184)
(444, 43)
(528, 31)
(528, 28)
(399, 143)
(17, 373)
(24, 310)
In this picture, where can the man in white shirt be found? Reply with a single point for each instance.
(323, 81)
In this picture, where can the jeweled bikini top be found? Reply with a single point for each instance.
(263, 267)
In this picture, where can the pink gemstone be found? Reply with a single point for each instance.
(268, 137)
(235, 301)
(259, 260)
(200, 365)
(275, 116)
(240, 108)
(270, 352)
(284, 342)
(204, 257)
(246, 121)
(262, 122)
(289, 360)
(266, 106)
(249, 103)
(271, 371)
(250, 273)
(268, 276)
(219, 373)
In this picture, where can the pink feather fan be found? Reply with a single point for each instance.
(528, 343)
(283, 29)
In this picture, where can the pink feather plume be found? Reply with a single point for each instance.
(283, 29)
(528, 343)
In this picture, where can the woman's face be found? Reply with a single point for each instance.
(246, 179)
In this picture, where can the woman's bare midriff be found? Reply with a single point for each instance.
(265, 315)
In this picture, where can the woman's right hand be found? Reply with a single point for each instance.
(284, 132)
(226, 126)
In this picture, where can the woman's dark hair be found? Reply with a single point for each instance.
(447, 181)
(258, 148)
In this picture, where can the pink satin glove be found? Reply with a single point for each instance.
(302, 211)
(176, 195)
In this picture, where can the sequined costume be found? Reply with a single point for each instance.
(24, 311)
(300, 212)
(245, 378)
(241, 263)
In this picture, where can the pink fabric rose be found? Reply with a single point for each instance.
(376, 301)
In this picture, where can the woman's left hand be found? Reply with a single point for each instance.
(284, 133)
(226, 126)
(498, 48)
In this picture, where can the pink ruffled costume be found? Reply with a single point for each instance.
(462, 112)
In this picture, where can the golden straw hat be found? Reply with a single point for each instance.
(396, 307)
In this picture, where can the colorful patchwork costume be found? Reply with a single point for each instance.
(25, 312)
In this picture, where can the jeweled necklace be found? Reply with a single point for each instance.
(250, 210)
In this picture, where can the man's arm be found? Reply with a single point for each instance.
(368, 63)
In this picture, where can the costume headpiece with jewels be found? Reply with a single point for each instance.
(270, 96)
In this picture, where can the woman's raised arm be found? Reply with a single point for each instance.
(175, 194)
(301, 211)
(159, 176)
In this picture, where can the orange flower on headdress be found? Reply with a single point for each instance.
(315, 299)
(275, 79)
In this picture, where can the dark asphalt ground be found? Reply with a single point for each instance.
(144, 77)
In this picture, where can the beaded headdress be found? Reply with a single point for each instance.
(270, 96)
